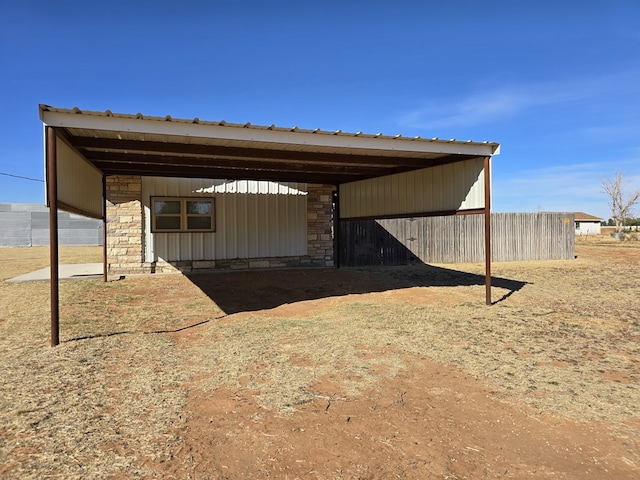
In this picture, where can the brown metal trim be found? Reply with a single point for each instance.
(52, 197)
(115, 160)
(487, 228)
(442, 213)
(78, 211)
(415, 159)
(170, 159)
(226, 173)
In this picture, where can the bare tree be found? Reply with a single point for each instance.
(620, 205)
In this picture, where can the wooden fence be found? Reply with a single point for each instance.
(457, 239)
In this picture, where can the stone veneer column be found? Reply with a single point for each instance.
(320, 225)
(124, 225)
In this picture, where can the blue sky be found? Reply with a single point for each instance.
(556, 83)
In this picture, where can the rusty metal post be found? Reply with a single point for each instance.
(336, 227)
(487, 228)
(52, 198)
(104, 228)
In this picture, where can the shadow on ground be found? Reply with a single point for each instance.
(245, 291)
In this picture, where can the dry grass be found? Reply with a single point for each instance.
(81, 410)
(109, 401)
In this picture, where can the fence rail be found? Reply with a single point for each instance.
(457, 239)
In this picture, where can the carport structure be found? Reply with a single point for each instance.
(375, 176)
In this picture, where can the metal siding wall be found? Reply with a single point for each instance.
(79, 184)
(254, 219)
(16, 229)
(25, 225)
(457, 186)
(40, 228)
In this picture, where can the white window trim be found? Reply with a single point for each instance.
(184, 216)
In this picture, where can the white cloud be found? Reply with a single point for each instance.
(609, 132)
(506, 101)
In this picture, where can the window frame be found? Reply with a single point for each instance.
(183, 214)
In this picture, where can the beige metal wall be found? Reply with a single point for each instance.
(456, 186)
(254, 219)
(79, 183)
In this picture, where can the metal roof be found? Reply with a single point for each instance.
(118, 143)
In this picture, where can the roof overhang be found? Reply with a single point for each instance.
(121, 144)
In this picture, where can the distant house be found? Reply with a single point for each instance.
(587, 224)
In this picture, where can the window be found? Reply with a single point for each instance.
(171, 214)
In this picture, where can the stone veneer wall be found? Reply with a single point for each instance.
(320, 225)
(124, 225)
(125, 228)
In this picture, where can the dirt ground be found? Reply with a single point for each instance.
(328, 374)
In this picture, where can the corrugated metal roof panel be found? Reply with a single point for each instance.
(124, 144)
(272, 127)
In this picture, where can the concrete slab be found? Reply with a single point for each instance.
(78, 271)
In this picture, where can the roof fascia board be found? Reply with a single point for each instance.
(158, 127)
